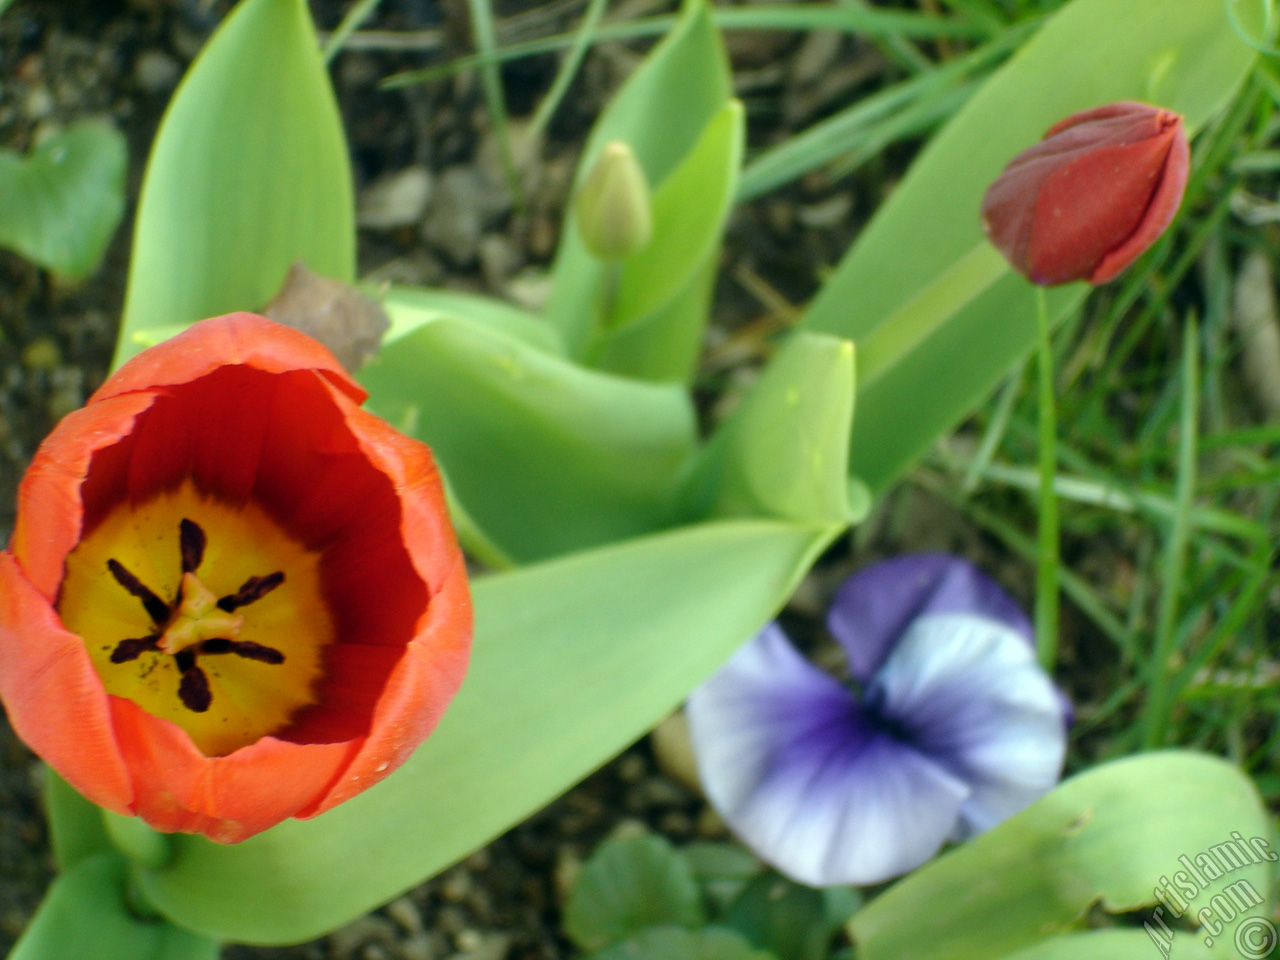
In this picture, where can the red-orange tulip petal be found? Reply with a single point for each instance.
(1086, 201)
(232, 596)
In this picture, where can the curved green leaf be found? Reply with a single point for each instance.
(60, 205)
(410, 307)
(249, 173)
(1184, 56)
(661, 111)
(783, 452)
(1109, 836)
(573, 660)
(86, 913)
(76, 830)
(543, 455)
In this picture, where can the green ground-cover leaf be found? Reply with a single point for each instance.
(1108, 836)
(678, 943)
(85, 914)
(544, 456)
(61, 203)
(573, 660)
(249, 173)
(1184, 56)
(791, 921)
(661, 112)
(631, 882)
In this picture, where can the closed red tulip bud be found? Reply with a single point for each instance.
(1085, 201)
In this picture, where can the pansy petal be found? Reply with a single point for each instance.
(876, 605)
(807, 780)
(968, 693)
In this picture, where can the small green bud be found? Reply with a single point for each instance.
(612, 208)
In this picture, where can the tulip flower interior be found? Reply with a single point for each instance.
(225, 637)
(784, 481)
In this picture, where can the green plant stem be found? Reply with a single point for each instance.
(1047, 537)
(1155, 718)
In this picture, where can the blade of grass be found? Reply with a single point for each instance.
(995, 429)
(1156, 714)
(917, 118)
(1047, 538)
(482, 29)
(569, 66)
(360, 11)
(1077, 590)
(870, 23)
(1247, 600)
(894, 45)
(980, 11)
(1109, 495)
(815, 145)
(1242, 437)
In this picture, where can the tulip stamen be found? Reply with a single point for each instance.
(191, 541)
(156, 608)
(193, 688)
(127, 650)
(255, 588)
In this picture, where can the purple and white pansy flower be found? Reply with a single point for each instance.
(951, 728)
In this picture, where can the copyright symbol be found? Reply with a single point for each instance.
(1255, 938)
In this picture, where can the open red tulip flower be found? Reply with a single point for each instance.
(1088, 199)
(232, 596)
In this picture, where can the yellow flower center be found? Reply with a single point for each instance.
(202, 613)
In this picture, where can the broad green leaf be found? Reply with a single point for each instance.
(678, 943)
(249, 173)
(543, 455)
(629, 883)
(1110, 836)
(573, 660)
(661, 112)
(76, 831)
(61, 203)
(1184, 56)
(789, 920)
(689, 213)
(783, 452)
(86, 914)
(1124, 945)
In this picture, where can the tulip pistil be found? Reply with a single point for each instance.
(197, 622)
